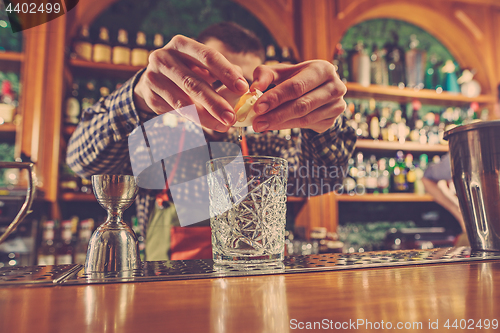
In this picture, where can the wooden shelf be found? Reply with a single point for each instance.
(89, 67)
(11, 56)
(376, 145)
(8, 128)
(69, 196)
(406, 95)
(390, 197)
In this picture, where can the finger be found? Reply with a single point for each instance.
(308, 77)
(204, 74)
(312, 120)
(164, 95)
(212, 60)
(263, 76)
(300, 107)
(196, 88)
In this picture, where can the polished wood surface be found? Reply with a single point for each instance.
(467, 291)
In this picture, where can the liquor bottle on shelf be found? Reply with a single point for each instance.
(287, 56)
(47, 251)
(371, 175)
(68, 182)
(349, 183)
(373, 120)
(271, 57)
(432, 73)
(383, 180)
(121, 51)
(379, 74)
(140, 54)
(395, 62)
(340, 63)
(411, 176)
(360, 66)
(415, 61)
(82, 45)
(361, 174)
(102, 49)
(64, 252)
(399, 176)
(419, 173)
(158, 43)
(84, 235)
(385, 123)
(73, 108)
(90, 94)
(450, 81)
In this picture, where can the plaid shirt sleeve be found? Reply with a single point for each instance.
(99, 144)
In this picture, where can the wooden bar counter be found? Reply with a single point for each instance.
(409, 295)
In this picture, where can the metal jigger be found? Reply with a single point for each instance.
(113, 247)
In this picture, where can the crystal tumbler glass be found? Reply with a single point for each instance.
(247, 209)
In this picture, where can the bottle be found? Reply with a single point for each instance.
(157, 43)
(90, 94)
(287, 56)
(411, 176)
(360, 65)
(349, 183)
(385, 123)
(372, 175)
(140, 54)
(102, 49)
(374, 121)
(340, 63)
(121, 51)
(419, 172)
(383, 180)
(64, 252)
(379, 74)
(73, 108)
(47, 250)
(82, 46)
(361, 174)
(395, 62)
(399, 178)
(83, 241)
(7, 94)
(271, 57)
(415, 61)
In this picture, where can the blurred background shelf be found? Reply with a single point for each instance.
(406, 95)
(376, 145)
(390, 197)
(92, 68)
(69, 196)
(11, 56)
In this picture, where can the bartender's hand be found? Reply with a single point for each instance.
(307, 95)
(180, 73)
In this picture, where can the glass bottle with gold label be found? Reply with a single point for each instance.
(102, 49)
(82, 46)
(271, 57)
(121, 51)
(139, 55)
(158, 43)
(47, 250)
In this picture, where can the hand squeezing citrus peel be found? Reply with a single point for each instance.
(243, 105)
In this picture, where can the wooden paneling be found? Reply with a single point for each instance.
(51, 123)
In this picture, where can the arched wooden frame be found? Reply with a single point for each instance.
(276, 16)
(459, 39)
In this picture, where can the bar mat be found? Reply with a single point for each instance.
(36, 275)
(202, 269)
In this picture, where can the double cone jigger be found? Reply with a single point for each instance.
(113, 247)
